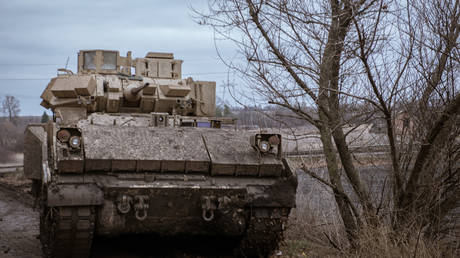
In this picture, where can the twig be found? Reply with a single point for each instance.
(332, 242)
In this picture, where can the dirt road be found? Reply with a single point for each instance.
(19, 229)
(18, 225)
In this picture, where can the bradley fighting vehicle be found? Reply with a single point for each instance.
(143, 153)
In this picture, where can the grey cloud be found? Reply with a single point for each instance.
(47, 32)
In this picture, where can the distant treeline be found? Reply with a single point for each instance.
(271, 116)
(254, 117)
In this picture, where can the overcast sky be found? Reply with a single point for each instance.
(37, 37)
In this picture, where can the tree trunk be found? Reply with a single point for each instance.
(349, 221)
(329, 113)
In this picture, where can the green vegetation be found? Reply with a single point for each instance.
(45, 117)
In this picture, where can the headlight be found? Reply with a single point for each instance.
(75, 142)
(264, 146)
(266, 143)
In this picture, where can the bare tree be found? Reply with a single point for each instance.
(376, 53)
(419, 82)
(10, 106)
(295, 55)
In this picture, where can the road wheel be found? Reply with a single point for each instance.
(67, 232)
(262, 238)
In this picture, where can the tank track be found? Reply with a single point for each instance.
(67, 231)
(262, 238)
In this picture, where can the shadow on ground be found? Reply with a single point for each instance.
(134, 246)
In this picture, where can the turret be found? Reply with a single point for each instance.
(104, 83)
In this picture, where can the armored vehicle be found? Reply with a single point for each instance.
(133, 148)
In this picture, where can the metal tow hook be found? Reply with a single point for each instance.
(208, 205)
(141, 206)
(124, 203)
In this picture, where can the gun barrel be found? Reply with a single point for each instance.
(136, 90)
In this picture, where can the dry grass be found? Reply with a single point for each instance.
(313, 241)
(16, 180)
(311, 233)
(315, 228)
(381, 242)
(314, 223)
